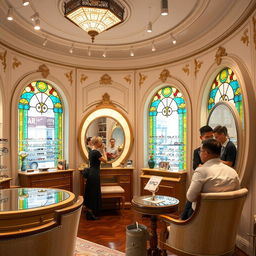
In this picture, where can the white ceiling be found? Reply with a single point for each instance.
(194, 23)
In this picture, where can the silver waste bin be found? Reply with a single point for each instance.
(136, 240)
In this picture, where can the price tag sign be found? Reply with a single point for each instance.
(153, 183)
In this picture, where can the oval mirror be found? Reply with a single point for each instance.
(110, 124)
(225, 114)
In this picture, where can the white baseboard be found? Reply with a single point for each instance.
(243, 244)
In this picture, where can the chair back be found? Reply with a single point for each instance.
(212, 228)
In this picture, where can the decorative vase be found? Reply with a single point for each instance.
(23, 166)
(151, 163)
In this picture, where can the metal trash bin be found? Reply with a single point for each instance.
(136, 240)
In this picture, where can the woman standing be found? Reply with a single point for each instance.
(92, 195)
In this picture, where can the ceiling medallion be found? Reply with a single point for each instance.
(94, 16)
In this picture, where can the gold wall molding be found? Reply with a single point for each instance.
(128, 79)
(106, 100)
(142, 79)
(45, 71)
(221, 52)
(164, 75)
(3, 59)
(186, 69)
(198, 65)
(83, 78)
(69, 76)
(245, 37)
(16, 63)
(254, 31)
(106, 79)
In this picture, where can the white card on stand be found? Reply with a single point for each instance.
(153, 183)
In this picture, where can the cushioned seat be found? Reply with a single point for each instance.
(212, 228)
(113, 192)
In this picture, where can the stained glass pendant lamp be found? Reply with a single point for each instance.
(94, 16)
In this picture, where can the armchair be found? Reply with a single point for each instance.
(211, 230)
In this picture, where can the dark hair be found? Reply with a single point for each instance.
(205, 129)
(212, 146)
(221, 129)
(88, 139)
(112, 139)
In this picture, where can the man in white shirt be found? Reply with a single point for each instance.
(213, 175)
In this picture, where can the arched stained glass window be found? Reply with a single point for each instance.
(225, 87)
(167, 128)
(40, 128)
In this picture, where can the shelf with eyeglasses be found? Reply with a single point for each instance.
(4, 177)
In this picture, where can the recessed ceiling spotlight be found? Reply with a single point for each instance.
(131, 52)
(10, 14)
(164, 7)
(153, 47)
(25, 2)
(104, 53)
(45, 42)
(173, 39)
(149, 27)
(37, 24)
(71, 50)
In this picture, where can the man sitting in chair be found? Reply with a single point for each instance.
(213, 175)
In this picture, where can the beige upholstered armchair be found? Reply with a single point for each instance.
(212, 228)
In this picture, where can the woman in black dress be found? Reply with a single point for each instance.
(92, 195)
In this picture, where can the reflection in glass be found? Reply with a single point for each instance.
(111, 132)
(222, 115)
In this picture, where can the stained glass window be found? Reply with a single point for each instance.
(40, 128)
(225, 87)
(167, 128)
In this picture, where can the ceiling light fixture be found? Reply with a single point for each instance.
(131, 52)
(45, 42)
(25, 2)
(37, 24)
(71, 49)
(173, 39)
(104, 53)
(153, 47)
(10, 14)
(94, 16)
(164, 7)
(149, 27)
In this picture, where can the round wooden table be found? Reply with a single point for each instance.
(153, 207)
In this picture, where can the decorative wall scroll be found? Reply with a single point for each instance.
(3, 59)
(106, 100)
(164, 75)
(16, 63)
(69, 76)
(254, 31)
(44, 70)
(219, 54)
(245, 37)
(106, 79)
(186, 69)
(83, 78)
(128, 79)
(142, 79)
(198, 65)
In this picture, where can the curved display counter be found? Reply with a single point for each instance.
(22, 209)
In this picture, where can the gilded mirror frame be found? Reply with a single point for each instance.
(107, 109)
(239, 131)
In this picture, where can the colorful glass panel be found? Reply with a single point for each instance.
(167, 128)
(225, 87)
(40, 125)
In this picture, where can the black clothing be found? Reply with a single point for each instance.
(229, 153)
(196, 158)
(92, 194)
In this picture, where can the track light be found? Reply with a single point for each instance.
(131, 52)
(104, 53)
(153, 47)
(149, 27)
(37, 25)
(89, 51)
(164, 7)
(71, 49)
(25, 2)
(173, 39)
(35, 16)
(10, 14)
(45, 42)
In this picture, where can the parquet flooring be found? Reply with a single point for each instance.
(110, 230)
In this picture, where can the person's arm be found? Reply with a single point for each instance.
(195, 187)
(196, 159)
(103, 157)
(230, 155)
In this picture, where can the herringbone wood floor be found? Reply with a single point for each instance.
(110, 230)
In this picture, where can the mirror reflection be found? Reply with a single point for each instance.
(111, 132)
